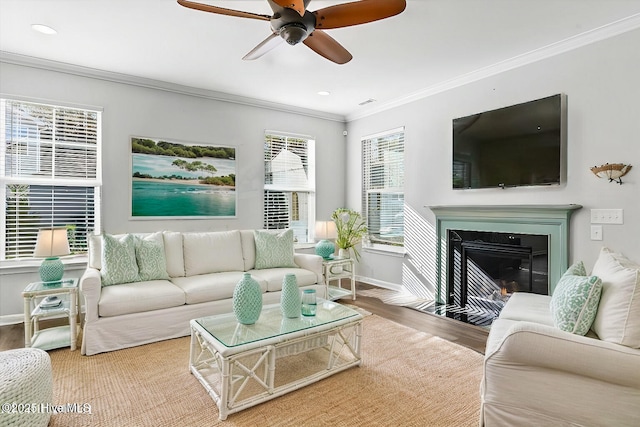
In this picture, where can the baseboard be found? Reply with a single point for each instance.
(11, 319)
(379, 283)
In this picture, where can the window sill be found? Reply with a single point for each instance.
(397, 251)
(32, 265)
(304, 246)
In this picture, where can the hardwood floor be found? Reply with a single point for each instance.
(473, 337)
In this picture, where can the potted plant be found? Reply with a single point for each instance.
(351, 228)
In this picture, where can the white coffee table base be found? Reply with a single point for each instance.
(240, 379)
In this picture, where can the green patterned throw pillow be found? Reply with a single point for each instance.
(574, 303)
(150, 258)
(577, 269)
(118, 260)
(274, 250)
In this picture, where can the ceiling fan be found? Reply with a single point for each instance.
(293, 23)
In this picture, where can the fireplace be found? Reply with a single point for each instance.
(486, 253)
(485, 268)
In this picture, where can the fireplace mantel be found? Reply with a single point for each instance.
(550, 220)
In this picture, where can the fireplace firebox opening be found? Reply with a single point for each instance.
(485, 268)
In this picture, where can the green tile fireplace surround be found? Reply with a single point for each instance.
(547, 220)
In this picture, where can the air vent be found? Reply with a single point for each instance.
(368, 101)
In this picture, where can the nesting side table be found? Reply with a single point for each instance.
(59, 336)
(334, 270)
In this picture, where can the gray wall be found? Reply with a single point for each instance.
(143, 111)
(603, 92)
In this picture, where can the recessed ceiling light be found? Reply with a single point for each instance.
(44, 29)
(324, 93)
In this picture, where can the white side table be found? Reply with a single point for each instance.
(60, 336)
(334, 270)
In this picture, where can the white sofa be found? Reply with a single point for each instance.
(538, 374)
(202, 270)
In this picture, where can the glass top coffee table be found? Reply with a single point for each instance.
(243, 365)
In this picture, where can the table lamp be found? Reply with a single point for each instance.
(51, 243)
(325, 230)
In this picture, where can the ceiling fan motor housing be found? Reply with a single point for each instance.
(293, 28)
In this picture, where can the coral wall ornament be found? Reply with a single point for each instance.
(611, 171)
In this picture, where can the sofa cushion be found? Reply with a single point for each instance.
(248, 249)
(274, 249)
(211, 287)
(118, 260)
(150, 257)
(618, 317)
(140, 296)
(273, 277)
(212, 252)
(574, 303)
(173, 253)
(528, 307)
(95, 251)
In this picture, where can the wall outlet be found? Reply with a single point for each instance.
(596, 232)
(607, 216)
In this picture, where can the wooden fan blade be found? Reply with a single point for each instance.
(357, 12)
(325, 45)
(297, 5)
(222, 10)
(268, 44)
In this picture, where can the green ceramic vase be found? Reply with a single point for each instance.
(290, 301)
(247, 300)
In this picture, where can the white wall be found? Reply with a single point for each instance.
(142, 111)
(603, 93)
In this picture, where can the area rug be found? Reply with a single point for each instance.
(407, 378)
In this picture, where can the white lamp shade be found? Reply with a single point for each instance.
(52, 242)
(326, 230)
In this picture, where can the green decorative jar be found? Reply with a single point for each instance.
(290, 301)
(247, 300)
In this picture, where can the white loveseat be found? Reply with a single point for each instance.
(536, 374)
(202, 270)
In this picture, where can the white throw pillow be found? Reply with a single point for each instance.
(618, 318)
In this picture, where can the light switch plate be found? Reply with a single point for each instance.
(596, 232)
(607, 216)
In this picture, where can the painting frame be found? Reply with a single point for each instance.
(171, 179)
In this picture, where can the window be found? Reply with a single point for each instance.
(383, 186)
(289, 184)
(49, 174)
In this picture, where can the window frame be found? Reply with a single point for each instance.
(52, 173)
(368, 188)
(291, 188)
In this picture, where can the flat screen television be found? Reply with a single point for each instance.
(519, 145)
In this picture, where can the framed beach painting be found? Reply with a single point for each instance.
(178, 180)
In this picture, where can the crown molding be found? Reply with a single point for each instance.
(598, 34)
(61, 67)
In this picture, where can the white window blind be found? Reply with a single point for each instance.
(383, 186)
(49, 174)
(289, 184)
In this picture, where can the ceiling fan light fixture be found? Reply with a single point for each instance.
(293, 33)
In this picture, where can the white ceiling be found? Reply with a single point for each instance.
(432, 44)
